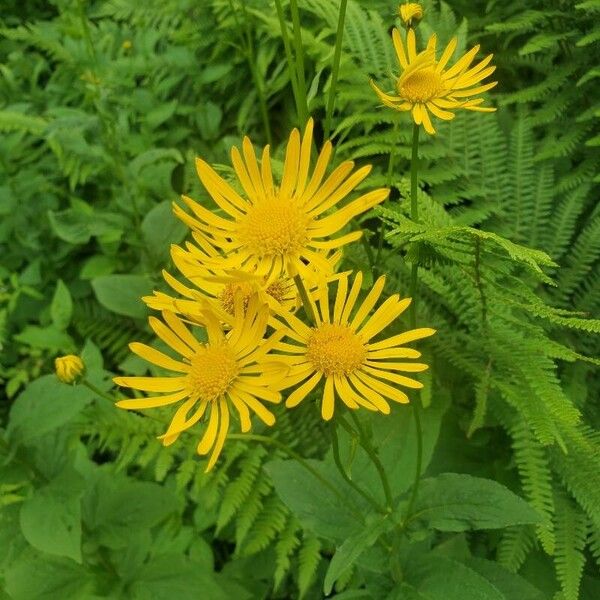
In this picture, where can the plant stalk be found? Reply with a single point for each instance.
(335, 67)
(308, 307)
(299, 52)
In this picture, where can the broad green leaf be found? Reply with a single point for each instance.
(115, 505)
(51, 518)
(170, 576)
(439, 578)
(61, 308)
(510, 584)
(160, 229)
(47, 338)
(453, 502)
(122, 294)
(45, 405)
(316, 506)
(48, 578)
(347, 554)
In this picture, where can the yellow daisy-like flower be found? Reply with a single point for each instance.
(218, 287)
(425, 84)
(410, 11)
(69, 368)
(276, 230)
(340, 350)
(232, 369)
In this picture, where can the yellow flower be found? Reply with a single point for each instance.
(218, 286)
(127, 45)
(340, 350)
(410, 11)
(69, 368)
(275, 230)
(232, 369)
(426, 85)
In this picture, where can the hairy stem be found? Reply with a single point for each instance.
(335, 67)
(338, 463)
(299, 52)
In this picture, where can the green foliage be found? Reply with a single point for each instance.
(103, 107)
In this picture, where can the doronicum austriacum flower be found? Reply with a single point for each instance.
(409, 12)
(425, 85)
(69, 368)
(217, 287)
(280, 230)
(232, 370)
(340, 349)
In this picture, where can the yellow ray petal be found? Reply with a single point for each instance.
(208, 439)
(223, 428)
(153, 384)
(153, 402)
(158, 358)
(328, 404)
(383, 388)
(399, 46)
(368, 303)
(291, 164)
(300, 393)
(390, 310)
(403, 338)
(240, 406)
(394, 377)
(370, 394)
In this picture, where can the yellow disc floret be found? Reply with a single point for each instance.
(275, 227)
(335, 349)
(421, 85)
(227, 296)
(213, 370)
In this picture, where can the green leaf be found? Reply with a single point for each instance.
(347, 554)
(45, 405)
(48, 578)
(160, 229)
(51, 518)
(453, 502)
(440, 578)
(170, 576)
(122, 294)
(61, 308)
(114, 506)
(316, 506)
(46, 338)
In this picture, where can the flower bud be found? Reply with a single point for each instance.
(69, 368)
(409, 12)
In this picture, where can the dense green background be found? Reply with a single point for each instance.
(103, 107)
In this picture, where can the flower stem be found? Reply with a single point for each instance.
(299, 52)
(335, 67)
(338, 463)
(414, 281)
(288, 54)
(97, 391)
(388, 183)
(364, 442)
(414, 215)
(308, 307)
(415, 489)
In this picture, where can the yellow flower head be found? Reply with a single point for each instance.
(69, 368)
(340, 350)
(218, 287)
(409, 12)
(425, 84)
(230, 370)
(274, 230)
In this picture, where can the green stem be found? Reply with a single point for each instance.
(308, 307)
(97, 391)
(364, 442)
(414, 281)
(388, 183)
(292, 454)
(258, 80)
(414, 170)
(299, 51)
(338, 463)
(288, 54)
(415, 490)
(414, 215)
(335, 67)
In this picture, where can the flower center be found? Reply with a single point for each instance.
(227, 296)
(421, 85)
(335, 349)
(279, 289)
(213, 370)
(275, 227)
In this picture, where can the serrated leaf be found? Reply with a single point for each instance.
(454, 502)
